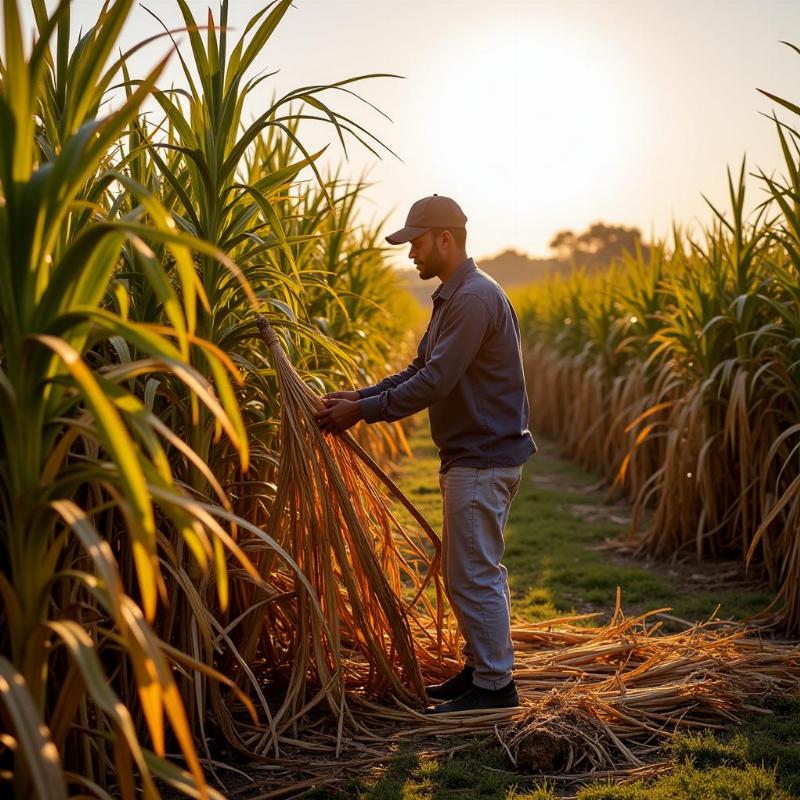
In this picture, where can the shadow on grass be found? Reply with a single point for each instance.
(473, 774)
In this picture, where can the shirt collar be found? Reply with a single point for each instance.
(444, 291)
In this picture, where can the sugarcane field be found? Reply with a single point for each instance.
(400, 400)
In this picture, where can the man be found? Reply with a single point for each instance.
(468, 373)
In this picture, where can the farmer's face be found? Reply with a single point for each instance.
(426, 255)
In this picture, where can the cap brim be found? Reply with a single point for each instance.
(405, 234)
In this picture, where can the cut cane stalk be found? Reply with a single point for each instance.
(332, 517)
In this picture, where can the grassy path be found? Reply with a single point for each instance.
(557, 565)
(555, 553)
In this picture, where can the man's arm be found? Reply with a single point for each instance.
(461, 334)
(343, 409)
(391, 381)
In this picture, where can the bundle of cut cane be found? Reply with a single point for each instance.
(383, 606)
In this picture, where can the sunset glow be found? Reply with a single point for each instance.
(536, 116)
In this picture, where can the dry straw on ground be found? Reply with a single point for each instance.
(596, 700)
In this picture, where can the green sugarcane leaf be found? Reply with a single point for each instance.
(18, 94)
(84, 654)
(262, 35)
(161, 687)
(198, 51)
(97, 548)
(87, 85)
(119, 444)
(233, 72)
(33, 737)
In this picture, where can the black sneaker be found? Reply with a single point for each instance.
(478, 699)
(452, 687)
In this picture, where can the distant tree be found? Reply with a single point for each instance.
(598, 245)
(564, 243)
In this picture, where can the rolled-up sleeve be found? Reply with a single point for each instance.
(464, 324)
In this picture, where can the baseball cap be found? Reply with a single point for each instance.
(435, 211)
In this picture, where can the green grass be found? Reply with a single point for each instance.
(759, 761)
(720, 783)
(556, 524)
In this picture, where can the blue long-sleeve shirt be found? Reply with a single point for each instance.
(468, 373)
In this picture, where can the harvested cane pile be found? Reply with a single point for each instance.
(604, 699)
(374, 620)
(368, 629)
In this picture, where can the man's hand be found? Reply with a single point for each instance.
(342, 396)
(342, 411)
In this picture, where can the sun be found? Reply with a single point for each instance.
(531, 113)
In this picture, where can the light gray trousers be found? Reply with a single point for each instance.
(475, 505)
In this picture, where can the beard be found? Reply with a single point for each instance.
(432, 266)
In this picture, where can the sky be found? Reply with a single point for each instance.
(535, 116)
